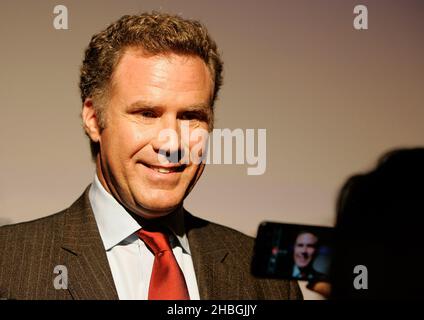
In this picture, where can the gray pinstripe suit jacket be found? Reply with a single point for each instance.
(30, 251)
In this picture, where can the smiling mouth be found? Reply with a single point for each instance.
(166, 170)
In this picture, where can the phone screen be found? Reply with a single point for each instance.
(292, 251)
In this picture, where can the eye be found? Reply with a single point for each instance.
(194, 115)
(148, 114)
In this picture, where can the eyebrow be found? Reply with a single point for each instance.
(145, 104)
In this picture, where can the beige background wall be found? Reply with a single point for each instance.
(332, 99)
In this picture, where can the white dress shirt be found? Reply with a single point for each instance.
(296, 272)
(130, 261)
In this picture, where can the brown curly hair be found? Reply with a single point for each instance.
(155, 33)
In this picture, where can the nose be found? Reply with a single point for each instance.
(168, 140)
(173, 156)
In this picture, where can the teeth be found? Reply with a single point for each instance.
(167, 170)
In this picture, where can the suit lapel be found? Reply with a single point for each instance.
(89, 274)
(210, 260)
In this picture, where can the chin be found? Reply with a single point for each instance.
(161, 199)
(154, 208)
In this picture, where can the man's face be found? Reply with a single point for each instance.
(305, 249)
(151, 94)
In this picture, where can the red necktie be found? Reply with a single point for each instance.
(167, 281)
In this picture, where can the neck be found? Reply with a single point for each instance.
(170, 219)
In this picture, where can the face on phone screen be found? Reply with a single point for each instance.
(292, 251)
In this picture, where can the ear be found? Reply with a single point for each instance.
(90, 121)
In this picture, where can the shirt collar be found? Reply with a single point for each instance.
(296, 271)
(116, 224)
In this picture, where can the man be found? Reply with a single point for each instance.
(128, 236)
(304, 254)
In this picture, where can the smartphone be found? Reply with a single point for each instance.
(293, 251)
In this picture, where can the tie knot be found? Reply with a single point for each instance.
(156, 240)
